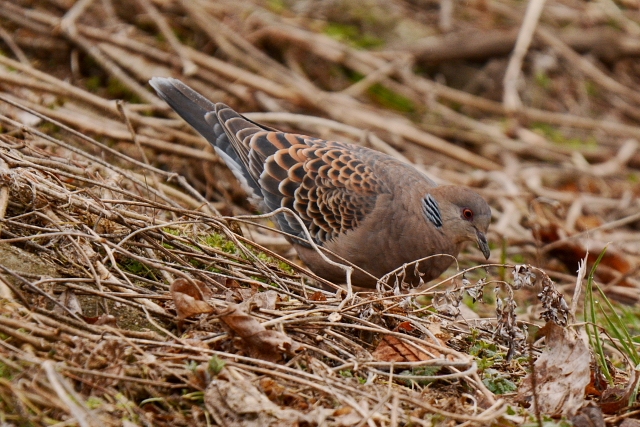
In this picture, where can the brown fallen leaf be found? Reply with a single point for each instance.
(393, 349)
(105, 319)
(266, 300)
(70, 301)
(283, 396)
(259, 342)
(562, 373)
(617, 398)
(598, 383)
(239, 403)
(405, 327)
(189, 297)
(318, 296)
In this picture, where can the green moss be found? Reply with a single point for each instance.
(351, 34)
(543, 80)
(137, 268)
(220, 241)
(346, 373)
(94, 402)
(259, 279)
(276, 6)
(518, 259)
(216, 365)
(385, 96)
(197, 263)
(5, 371)
(49, 128)
(171, 231)
(555, 135)
(93, 83)
(591, 88)
(118, 90)
(390, 99)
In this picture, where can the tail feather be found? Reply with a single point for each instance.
(191, 106)
(202, 115)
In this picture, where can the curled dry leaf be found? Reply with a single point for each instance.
(562, 373)
(240, 403)
(393, 349)
(259, 342)
(616, 399)
(189, 297)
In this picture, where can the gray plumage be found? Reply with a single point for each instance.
(363, 205)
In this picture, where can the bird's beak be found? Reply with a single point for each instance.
(482, 244)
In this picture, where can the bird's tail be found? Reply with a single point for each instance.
(203, 116)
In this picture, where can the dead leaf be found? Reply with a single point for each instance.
(266, 300)
(335, 317)
(283, 396)
(70, 301)
(570, 253)
(259, 342)
(240, 403)
(562, 373)
(318, 296)
(615, 399)
(105, 319)
(392, 349)
(405, 327)
(189, 297)
(343, 410)
(598, 383)
(587, 222)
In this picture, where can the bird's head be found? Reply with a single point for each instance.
(459, 212)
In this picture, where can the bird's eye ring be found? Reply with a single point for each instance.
(467, 214)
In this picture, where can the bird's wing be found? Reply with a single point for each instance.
(329, 185)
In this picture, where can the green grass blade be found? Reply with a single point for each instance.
(591, 321)
(619, 329)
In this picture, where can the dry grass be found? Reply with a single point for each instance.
(105, 205)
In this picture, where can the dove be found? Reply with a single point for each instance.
(366, 208)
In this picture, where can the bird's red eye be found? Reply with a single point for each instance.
(467, 214)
